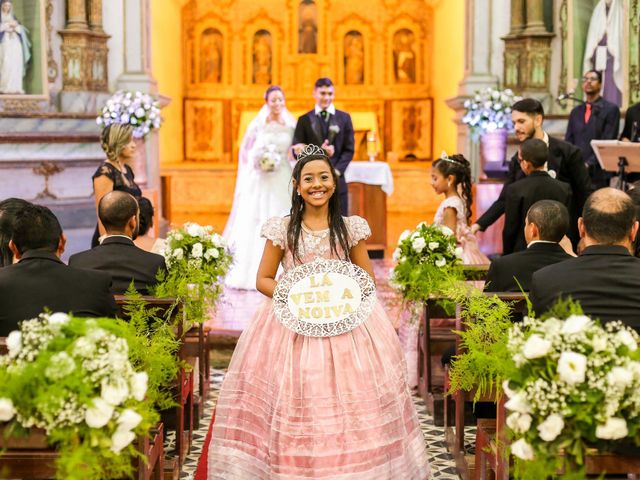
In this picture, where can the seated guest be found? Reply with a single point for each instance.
(117, 254)
(546, 223)
(8, 210)
(605, 278)
(143, 240)
(520, 195)
(41, 281)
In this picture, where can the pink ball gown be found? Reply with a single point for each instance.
(294, 407)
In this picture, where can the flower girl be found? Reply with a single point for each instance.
(295, 406)
(451, 177)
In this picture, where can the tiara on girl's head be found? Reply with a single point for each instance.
(309, 150)
(445, 157)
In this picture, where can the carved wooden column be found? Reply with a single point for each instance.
(535, 17)
(77, 15)
(517, 17)
(95, 15)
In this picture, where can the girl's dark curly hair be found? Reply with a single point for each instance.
(337, 229)
(459, 167)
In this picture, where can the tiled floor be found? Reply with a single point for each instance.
(442, 464)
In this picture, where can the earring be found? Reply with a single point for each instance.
(298, 192)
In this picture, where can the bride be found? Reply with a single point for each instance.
(262, 186)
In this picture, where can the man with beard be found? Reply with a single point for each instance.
(564, 163)
(117, 254)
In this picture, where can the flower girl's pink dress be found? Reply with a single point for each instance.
(471, 254)
(294, 407)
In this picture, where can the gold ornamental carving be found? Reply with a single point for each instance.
(52, 66)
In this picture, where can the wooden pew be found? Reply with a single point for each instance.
(433, 341)
(454, 433)
(184, 385)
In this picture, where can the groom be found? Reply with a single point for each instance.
(332, 130)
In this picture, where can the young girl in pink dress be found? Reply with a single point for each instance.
(451, 177)
(293, 406)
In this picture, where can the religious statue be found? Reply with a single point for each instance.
(604, 47)
(353, 59)
(411, 127)
(404, 57)
(308, 29)
(15, 51)
(211, 56)
(262, 57)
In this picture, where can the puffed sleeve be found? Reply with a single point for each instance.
(105, 170)
(275, 230)
(358, 229)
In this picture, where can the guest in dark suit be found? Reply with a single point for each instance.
(330, 129)
(537, 185)
(41, 281)
(117, 254)
(605, 278)
(564, 163)
(8, 210)
(631, 130)
(546, 224)
(596, 119)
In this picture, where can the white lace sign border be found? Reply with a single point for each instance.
(328, 328)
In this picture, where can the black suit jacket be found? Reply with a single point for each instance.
(504, 271)
(566, 161)
(520, 196)
(124, 261)
(604, 124)
(40, 280)
(631, 131)
(605, 280)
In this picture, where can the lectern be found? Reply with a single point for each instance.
(619, 157)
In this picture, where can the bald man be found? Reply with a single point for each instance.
(605, 278)
(117, 254)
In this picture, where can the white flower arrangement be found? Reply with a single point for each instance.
(575, 384)
(269, 160)
(138, 109)
(72, 377)
(489, 110)
(199, 247)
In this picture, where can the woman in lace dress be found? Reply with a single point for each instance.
(262, 186)
(293, 406)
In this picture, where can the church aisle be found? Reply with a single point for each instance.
(442, 464)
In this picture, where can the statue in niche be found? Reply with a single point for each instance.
(211, 56)
(353, 58)
(262, 57)
(203, 128)
(308, 27)
(603, 49)
(15, 51)
(404, 58)
(411, 127)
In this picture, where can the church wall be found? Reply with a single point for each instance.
(112, 15)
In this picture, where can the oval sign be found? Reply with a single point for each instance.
(324, 298)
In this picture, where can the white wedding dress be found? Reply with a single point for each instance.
(259, 195)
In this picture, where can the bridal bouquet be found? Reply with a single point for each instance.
(489, 110)
(73, 377)
(138, 109)
(425, 258)
(270, 159)
(575, 384)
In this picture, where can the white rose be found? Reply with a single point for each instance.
(551, 427)
(615, 428)
(572, 367)
(212, 252)
(178, 236)
(518, 403)
(519, 422)
(99, 414)
(441, 262)
(404, 235)
(626, 338)
(59, 319)
(418, 244)
(396, 255)
(120, 439)
(552, 325)
(139, 383)
(14, 343)
(620, 377)
(433, 245)
(446, 230)
(459, 252)
(196, 250)
(507, 390)
(575, 324)
(599, 343)
(128, 420)
(536, 347)
(178, 253)
(114, 392)
(7, 411)
(522, 449)
(193, 229)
